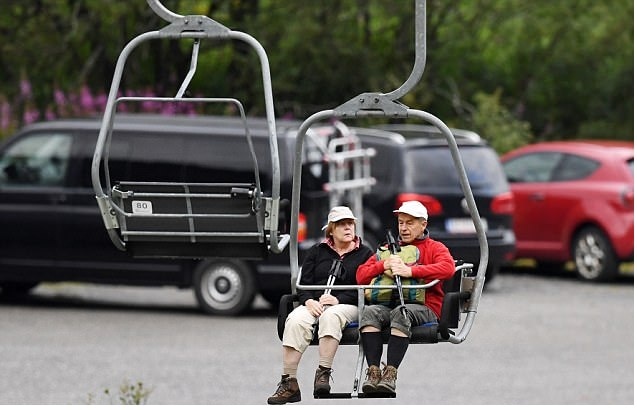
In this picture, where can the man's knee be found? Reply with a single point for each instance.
(400, 316)
(374, 316)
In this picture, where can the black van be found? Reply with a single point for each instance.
(53, 231)
(52, 228)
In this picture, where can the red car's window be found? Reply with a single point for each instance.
(573, 167)
(537, 167)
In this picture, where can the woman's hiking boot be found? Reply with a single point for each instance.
(287, 391)
(387, 383)
(372, 379)
(322, 381)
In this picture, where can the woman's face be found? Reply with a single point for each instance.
(344, 230)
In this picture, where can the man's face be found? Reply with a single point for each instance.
(410, 227)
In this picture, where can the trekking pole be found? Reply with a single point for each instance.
(336, 272)
(394, 249)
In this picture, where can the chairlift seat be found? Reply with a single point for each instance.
(192, 220)
(426, 333)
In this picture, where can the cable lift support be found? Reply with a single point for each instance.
(463, 291)
(348, 164)
(189, 220)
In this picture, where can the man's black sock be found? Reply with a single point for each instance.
(396, 349)
(373, 347)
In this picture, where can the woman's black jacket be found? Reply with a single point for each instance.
(316, 269)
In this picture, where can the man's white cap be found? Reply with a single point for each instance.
(338, 213)
(413, 208)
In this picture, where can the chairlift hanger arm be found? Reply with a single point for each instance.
(162, 11)
(386, 103)
(420, 50)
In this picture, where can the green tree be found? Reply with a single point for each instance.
(497, 125)
(564, 67)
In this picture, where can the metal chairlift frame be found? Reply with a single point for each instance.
(373, 104)
(196, 27)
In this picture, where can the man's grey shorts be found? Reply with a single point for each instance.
(380, 317)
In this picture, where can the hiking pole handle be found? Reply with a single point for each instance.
(394, 249)
(392, 243)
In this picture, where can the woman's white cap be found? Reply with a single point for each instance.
(338, 213)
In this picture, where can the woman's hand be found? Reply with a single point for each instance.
(328, 300)
(314, 307)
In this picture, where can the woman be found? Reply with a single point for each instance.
(333, 311)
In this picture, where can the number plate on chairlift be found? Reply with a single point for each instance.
(142, 207)
(463, 225)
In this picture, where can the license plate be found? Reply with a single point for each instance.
(462, 225)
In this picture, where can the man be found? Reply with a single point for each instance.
(434, 262)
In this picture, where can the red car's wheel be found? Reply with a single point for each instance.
(594, 257)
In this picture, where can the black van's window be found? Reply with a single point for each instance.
(36, 160)
(156, 158)
(225, 158)
(177, 157)
(433, 167)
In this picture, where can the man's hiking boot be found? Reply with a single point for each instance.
(387, 383)
(322, 381)
(372, 379)
(286, 392)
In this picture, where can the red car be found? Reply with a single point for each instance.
(574, 202)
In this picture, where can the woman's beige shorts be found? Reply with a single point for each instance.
(299, 325)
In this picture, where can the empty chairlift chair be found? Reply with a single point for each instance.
(190, 220)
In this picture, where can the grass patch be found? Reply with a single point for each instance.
(128, 393)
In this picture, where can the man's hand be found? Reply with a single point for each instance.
(398, 267)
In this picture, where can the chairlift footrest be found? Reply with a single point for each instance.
(192, 220)
(361, 395)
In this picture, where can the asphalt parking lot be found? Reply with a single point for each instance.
(536, 340)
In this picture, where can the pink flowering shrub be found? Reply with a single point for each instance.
(76, 103)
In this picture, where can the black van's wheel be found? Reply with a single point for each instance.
(224, 287)
(594, 257)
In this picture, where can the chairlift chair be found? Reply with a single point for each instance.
(189, 220)
(464, 290)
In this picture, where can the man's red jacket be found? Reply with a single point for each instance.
(435, 262)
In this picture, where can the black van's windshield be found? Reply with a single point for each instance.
(430, 167)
